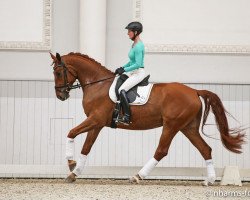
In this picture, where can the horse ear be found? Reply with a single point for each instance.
(52, 56)
(58, 57)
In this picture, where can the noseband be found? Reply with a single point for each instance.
(66, 85)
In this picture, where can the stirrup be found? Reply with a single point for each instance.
(123, 120)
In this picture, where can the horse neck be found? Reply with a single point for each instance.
(89, 71)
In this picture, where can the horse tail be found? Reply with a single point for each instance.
(232, 139)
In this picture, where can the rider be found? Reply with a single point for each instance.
(134, 69)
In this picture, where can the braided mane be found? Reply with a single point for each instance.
(88, 58)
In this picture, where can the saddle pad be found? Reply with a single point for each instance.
(143, 91)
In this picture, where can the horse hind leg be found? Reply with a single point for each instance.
(191, 131)
(161, 151)
(71, 165)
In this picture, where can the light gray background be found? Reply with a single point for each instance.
(168, 67)
(34, 124)
(163, 67)
(35, 65)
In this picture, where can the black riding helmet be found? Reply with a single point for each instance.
(135, 27)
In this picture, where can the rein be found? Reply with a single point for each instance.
(97, 81)
(70, 87)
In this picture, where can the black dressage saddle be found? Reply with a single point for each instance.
(132, 93)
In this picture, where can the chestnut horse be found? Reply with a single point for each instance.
(174, 106)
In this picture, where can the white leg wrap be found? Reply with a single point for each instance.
(80, 165)
(211, 176)
(147, 168)
(69, 148)
(210, 168)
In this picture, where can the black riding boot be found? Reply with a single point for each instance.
(125, 107)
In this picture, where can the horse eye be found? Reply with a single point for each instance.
(58, 74)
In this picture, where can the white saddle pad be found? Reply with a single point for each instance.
(143, 91)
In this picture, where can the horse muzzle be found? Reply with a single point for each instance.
(62, 95)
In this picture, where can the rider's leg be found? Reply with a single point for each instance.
(125, 107)
(135, 77)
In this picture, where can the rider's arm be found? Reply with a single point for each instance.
(138, 61)
(126, 65)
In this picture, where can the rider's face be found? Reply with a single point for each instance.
(131, 34)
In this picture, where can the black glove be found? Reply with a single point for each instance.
(119, 71)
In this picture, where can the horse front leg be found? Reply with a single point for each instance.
(79, 166)
(87, 125)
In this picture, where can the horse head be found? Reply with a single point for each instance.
(64, 76)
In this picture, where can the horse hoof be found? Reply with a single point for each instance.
(209, 181)
(71, 178)
(72, 165)
(134, 179)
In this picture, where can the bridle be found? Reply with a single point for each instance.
(67, 85)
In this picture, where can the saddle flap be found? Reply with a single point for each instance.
(132, 93)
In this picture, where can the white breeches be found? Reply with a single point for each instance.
(134, 77)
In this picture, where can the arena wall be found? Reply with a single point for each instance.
(34, 124)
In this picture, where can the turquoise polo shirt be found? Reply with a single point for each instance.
(136, 57)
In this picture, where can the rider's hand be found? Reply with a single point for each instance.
(119, 71)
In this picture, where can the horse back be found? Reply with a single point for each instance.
(175, 96)
(176, 89)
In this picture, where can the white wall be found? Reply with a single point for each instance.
(168, 67)
(29, 24)
(35, 65)
(163, 67)
(37, 137)
(34, 125)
